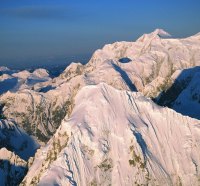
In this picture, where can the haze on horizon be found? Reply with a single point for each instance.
(49, 32)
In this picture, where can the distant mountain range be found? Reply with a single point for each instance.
(112, 121)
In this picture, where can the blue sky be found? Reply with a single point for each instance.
(50, 31)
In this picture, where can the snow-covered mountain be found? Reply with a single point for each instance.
(118, 137)
(12, 168)
(188, 101)
(102, 124)
(184, 95)
(17, 140)
(149, 65)
(14, 81)
(16, 147)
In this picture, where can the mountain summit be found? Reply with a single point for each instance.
(161, 33)
(101, 123)
(119, 138)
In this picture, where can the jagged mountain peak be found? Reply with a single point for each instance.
(156, 34)
(107, 128)
(161, 32)
(119, 138)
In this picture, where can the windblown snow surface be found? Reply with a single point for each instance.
(149, 65)
(118, 137)
(103, 126)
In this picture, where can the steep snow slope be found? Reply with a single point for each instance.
(188, 101)
(16, 147)
(15, 139)
(184, 95)
(12, 168)
(148, 65)
(119, 138)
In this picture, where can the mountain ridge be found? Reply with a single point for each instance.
(99, 122)
(126, 128)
